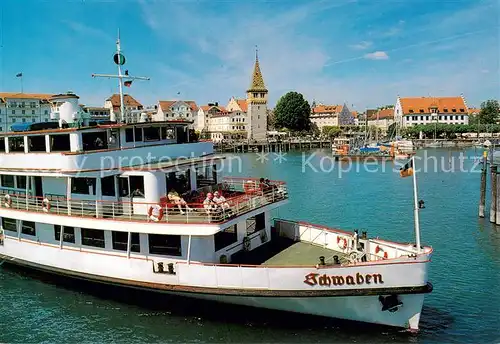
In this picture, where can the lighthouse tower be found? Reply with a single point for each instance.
(257, 105)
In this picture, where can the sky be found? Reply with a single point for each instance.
(363, 53)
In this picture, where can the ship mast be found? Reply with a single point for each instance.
(119, 59)
(415, 196)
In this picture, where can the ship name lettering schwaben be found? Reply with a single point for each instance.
(313, 279)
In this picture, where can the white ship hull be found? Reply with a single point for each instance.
(279, 288)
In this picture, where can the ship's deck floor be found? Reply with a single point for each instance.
(302, 253)
(281, 251)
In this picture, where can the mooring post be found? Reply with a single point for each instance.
(497, 220)
(482, 196)
(493, 206)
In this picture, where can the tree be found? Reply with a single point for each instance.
(292, 111)
(331, 131)
(489, 112)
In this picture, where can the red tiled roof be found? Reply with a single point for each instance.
(127, 99)
(242, 103)
(17, 95)
(327, 108)
(165, 104)
(354, 114)
(424, 104)
(474, 111)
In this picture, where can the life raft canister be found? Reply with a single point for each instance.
(7, 201)
(46, 205)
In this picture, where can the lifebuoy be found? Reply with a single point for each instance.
(46, 205)
(379, 249)
(155, 212)
(7, 201)
(342, 242)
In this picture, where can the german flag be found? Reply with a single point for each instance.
(407, 169)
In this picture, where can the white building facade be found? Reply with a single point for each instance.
(131, 106)
(428, 110)
(23, 108)
(177, 109)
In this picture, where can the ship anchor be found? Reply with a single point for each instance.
(390, 303)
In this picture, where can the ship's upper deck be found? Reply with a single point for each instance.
(98, 147)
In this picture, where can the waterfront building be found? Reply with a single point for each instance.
(381, 119)
(332, 115)
(204, 114)
(177, 109)
(23, 108)
(97, 113)
(130, 104)
(425, 110)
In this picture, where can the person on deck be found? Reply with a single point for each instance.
(210, 205)
(174, 197)
(221, 202)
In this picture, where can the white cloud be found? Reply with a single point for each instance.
(362, 45)
(377, 55)
(86, 30)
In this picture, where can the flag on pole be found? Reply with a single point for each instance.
(407, 169)
(128, 83)
(18, 75)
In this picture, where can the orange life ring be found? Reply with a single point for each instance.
(46, 205)
(342, 242)
(378, 249)
(155, 212)
(7, 201)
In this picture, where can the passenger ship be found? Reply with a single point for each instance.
(90, 201)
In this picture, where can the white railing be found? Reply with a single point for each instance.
(242, 196)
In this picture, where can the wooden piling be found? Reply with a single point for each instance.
(497, 220)
(482, 189)
(493, 206)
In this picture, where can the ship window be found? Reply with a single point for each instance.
(36, 143)
(92, 237)
(7, 181)
(28, 228)
(82, 186)
(2, 143)
(225, 238)
(94, 141)
(9, 224)
(16, 144)
(166, 245)
(59, 143)
(108, 186)
(152, 134)
(129, 135)
(68, 235)
(137, 186)
(123, 187)
(120, 240)
(179, 181)
(21, 182)
(138, 134)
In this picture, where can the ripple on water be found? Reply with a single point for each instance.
(463, 307)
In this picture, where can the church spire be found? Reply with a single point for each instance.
(257, 84)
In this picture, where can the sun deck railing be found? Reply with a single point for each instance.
(242, 195)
